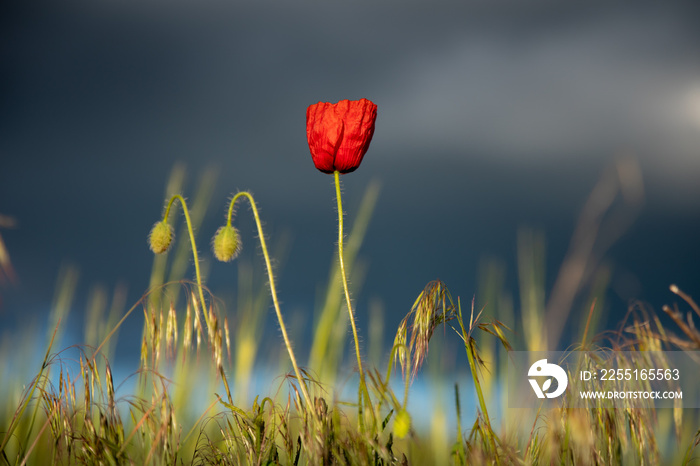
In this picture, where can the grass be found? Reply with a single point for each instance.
(179, 407)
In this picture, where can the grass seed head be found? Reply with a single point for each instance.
(228, 337)
(432, 307)
(187, 337)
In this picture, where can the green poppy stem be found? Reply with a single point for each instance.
(273, 292)
(363, 385)
(194, 250)
(198, 274)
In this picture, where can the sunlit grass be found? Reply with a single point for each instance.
(192, 400)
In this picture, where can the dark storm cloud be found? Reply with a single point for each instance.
(502, 78)
(614, 82)
(491, 114)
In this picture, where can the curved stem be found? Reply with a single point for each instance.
(198, 275)
(194, 250)
(363, 385)
(273, 292)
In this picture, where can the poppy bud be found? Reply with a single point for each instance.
(339, 134)
(226, 244)
(160, 237)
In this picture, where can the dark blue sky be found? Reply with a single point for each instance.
(491, 117)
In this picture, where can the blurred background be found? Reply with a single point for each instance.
(512, 139)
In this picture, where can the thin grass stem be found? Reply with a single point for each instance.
(18, 415)
(469, 346)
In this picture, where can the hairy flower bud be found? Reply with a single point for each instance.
(226, 244)
(161, 237)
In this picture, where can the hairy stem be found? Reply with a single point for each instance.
(194, 250)
(273, 292)
(197, 271)
(363, 385)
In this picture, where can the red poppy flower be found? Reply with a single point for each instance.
(339, 134)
